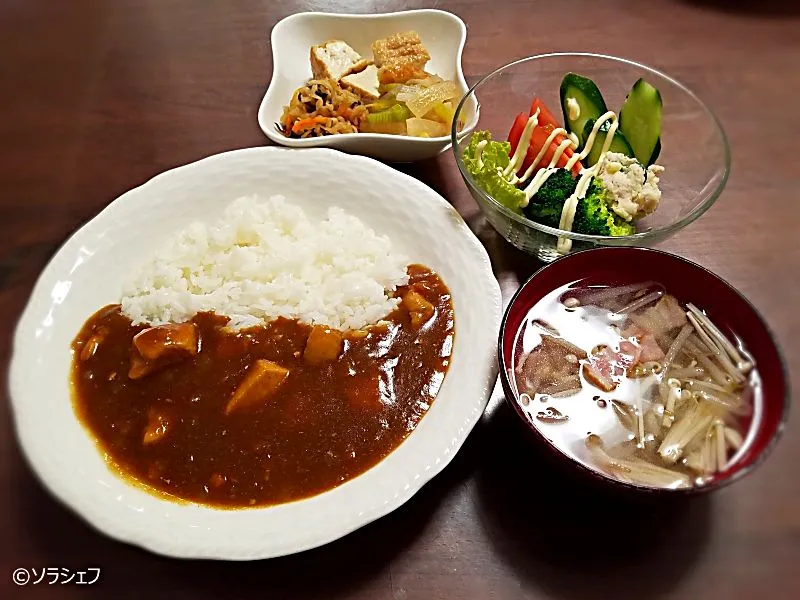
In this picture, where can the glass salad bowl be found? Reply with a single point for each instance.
(694, 148)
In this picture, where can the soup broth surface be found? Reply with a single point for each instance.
(585, 417)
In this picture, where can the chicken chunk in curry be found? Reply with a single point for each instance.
(262, 380)
(157, 347)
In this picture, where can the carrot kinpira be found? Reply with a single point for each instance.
(302, 124)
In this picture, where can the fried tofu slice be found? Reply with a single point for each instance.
(400, 57)
(400, 73)
(418, 307)
(364, 84)
(400, 48)
(262, 380)
(335, 59)
(323, 345)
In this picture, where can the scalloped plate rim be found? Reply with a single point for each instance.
(163, 543)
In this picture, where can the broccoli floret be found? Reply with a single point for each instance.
(593, 216)
(546, 204)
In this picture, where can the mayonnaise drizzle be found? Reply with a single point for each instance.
(544, 174)
(545, 147)
(612, 129)
(573, 109)
(564, 245)
(479, 152)
(510, 172)
(574, 138)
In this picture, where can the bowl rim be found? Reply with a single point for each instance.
(460, 78)
(624, 240)
(599, 475)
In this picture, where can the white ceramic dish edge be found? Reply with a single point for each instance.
(190, 531)
(345, 26)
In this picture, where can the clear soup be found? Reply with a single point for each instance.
(635, 384)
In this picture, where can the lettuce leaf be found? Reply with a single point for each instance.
(488, 175)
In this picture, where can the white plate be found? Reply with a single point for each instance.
(88, 270)
(443, 34)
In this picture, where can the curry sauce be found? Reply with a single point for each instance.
(263, 415)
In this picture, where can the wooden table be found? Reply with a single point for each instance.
(98, 96)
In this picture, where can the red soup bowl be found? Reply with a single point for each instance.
(689, 282)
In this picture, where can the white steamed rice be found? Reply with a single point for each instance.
(266, 259)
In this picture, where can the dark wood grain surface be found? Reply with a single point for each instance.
(97, 96)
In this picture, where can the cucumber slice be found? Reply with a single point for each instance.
(590, 104)
(618, 144)
(640, 121)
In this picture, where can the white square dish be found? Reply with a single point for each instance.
(443, 34)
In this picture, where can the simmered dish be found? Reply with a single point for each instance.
(391, 93)
(594, 175)
(307, 372)
(631, 383)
